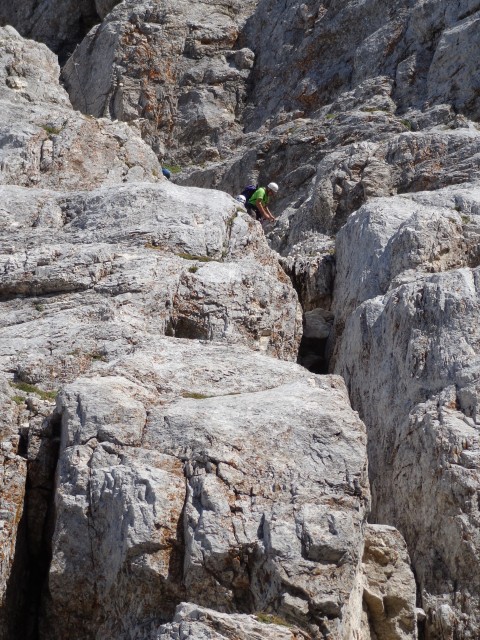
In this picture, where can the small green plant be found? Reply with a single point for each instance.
(190, 256)
(19, 400)
(193, 269)
(39, 306)
(373, 109)
(30, 388)
(96, 355)
(267, 618)
(155, 173)
(195, 396)
(173, 168)
(331, 116)
(51, 130)
(407, 124)
(466, 220)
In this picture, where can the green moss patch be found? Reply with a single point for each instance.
(267, 618)
(194, 396)
(190, 256)
(30, 388)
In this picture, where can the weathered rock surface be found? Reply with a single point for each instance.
(44, 143)
(376, 116)
(408, 352)
(166, 259)
(166, 488)
(12, 489)
(175, 66)
(245, 530)
(389, 587)
(344, 104)
(191, 621)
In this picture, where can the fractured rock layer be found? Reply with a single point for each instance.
(372, 125)
(408, 352)
(191, 466)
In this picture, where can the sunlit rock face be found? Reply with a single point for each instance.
(407, 308)
(148, 332)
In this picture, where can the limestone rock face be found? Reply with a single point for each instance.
(192, 621)
(175, 66)
(140, 306)
(12, 490)
(407, 348)
(193, 468)
(337, 103)
(181, 501)
(344, 44)
(170, 260)
(44, 143)
(59, 24)
(389, 588)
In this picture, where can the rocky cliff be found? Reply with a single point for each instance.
(169, 471)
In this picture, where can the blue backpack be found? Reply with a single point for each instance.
(248, 191)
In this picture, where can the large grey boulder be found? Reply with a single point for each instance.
(170, 260)
(174, 66)
(389, 585)
(44, 143)
(192, 621)
(244, 530)
(407, 348)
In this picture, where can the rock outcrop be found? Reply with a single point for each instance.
(45, 143)
(12, 483)
(175, 67)
(159, 447)
(194, 455)
(177, 498)
(406, 321)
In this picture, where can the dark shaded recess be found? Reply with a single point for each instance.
(27, 26)
(312, 355)
(33, 551)
(85, 23)
(188, 328)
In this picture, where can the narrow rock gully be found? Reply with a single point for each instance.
(315, 290)
(313, 281)
(39, 444)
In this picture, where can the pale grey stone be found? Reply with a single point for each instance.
(240, 525)
(408, 350)
(389, 589)
(192, 621)
(44, 143)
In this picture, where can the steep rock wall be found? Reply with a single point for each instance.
(174, 66)
(168, 457)
(407, 348)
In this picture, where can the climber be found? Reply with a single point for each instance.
(257, 202)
